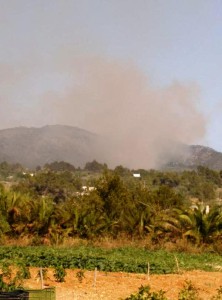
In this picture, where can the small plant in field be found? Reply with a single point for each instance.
(10, 282)
(80, 275)
(6, 271)
(188, 292)
(7, 287)
(60, 274)
(218, 296)
(23, 272)
(144, 293)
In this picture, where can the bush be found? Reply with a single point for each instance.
(60, 274)
(189, 292)
(80, 275)
(218, 296)
(144, 293)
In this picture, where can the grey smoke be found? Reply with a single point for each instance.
(141, 124)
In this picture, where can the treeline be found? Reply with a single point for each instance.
(60, 201)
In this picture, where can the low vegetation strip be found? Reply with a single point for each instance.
(131, 260)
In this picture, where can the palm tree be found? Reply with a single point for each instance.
(92, 219)
(14, 207)
(200, 225)
(41, 211)
(137, 219)
(4, 225)
(166, 224)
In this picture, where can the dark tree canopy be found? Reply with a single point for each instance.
(59, 166)
(95, 166)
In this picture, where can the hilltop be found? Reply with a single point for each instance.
(37, 146)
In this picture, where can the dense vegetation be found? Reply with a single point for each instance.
(59, 202)
(125, 259)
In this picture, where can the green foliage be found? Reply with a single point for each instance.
(10, 281)
(60, 166)
(10, 171)
(6, 270)
(209, 175)
(112, 191)
(95, 166)
(7, 287)
(4, 227)
(51, 207)
(144, 293)
(218, 296)
(23, 272)
(188, 292)
(80, 275)
(57, 186)
(60, 273)
(166, 198)
(131, 260)
(200, 225)
(121, 171)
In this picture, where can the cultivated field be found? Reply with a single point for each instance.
(113, 286)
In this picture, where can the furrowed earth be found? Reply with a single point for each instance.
(113, 286)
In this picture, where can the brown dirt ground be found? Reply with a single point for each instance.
(113, 286)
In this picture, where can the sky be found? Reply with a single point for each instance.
(135, 70)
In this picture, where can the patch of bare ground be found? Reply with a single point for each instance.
(113, 286)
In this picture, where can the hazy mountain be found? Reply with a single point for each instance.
(196, 155)
(37, 146)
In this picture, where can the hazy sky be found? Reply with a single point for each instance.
(132, 67)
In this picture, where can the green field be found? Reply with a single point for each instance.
(132, 260)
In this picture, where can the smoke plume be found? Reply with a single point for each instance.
(142, 126)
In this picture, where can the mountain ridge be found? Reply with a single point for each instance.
(36, 146)
(196, 155)
(31, 146)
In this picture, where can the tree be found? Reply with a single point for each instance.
(60, 166)
(166, 198)
(4, 225)
(57, 186)
(121, 171)
(41, 212)
(14, 207)
(115, 196)
(200, 225)
(94, 166)
(92, 218)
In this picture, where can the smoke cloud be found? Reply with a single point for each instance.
(142, 126)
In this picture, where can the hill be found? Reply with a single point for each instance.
(196, 155)
(36, 146)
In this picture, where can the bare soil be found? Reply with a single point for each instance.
(113, 286)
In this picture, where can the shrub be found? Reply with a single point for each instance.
(218, 296)
(188, 292)
(80, 275)
(60, 274)
(144, 293)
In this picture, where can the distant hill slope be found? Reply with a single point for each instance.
(37, 146)
(197, 155)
